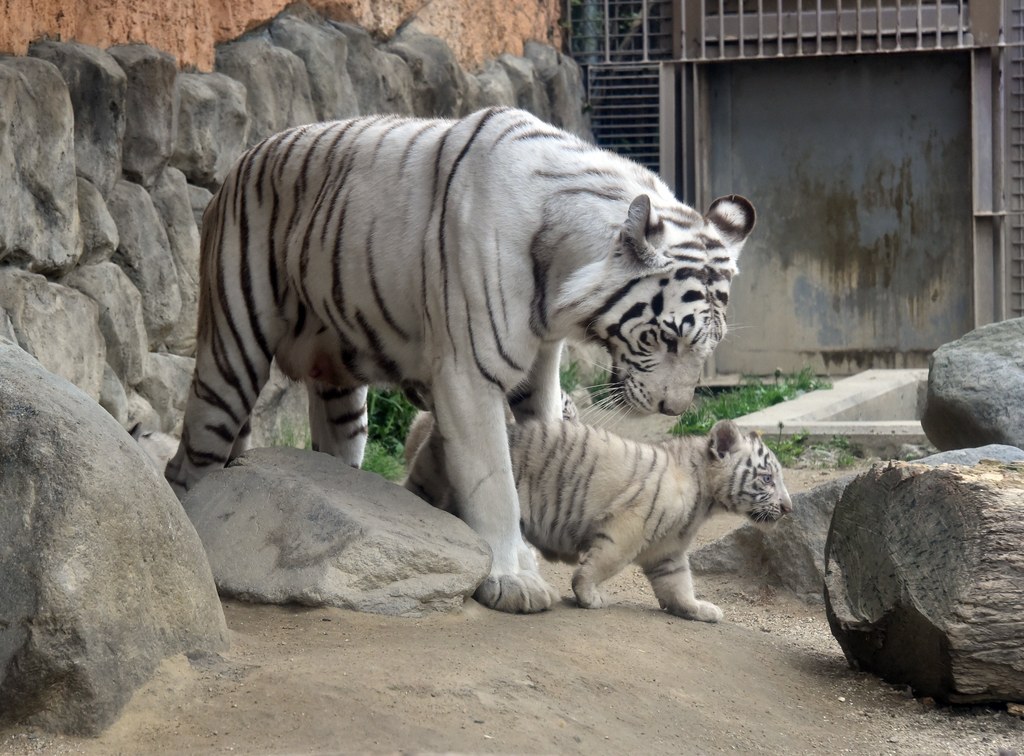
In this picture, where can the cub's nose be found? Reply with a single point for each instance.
(786, 505)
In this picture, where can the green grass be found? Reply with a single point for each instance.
(754, 395)
(383, 460)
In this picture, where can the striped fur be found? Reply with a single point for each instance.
(449, 258)
(588, 496)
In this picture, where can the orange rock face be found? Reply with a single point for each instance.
(189, 29)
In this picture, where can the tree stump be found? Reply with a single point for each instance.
(924, 578)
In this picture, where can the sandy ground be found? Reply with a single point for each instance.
(626, 679)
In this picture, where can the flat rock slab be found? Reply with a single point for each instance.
(291, 526)
(924, 578)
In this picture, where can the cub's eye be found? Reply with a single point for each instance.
(766, 478)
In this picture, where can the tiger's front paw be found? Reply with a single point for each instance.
(519, 593)
(702, 611)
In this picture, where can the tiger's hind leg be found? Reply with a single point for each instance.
(224, 390)
(337, 420)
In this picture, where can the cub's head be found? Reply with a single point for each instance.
(663, 312)
(746, 475)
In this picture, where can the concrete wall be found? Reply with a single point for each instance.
(188, 29)
(860, 172)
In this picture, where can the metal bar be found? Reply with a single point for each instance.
(760, 28)
(721, 28)
(817, 24)
(778, 13)
(607, 33)
(920, 26)
(644, 31)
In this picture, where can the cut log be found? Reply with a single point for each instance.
(924, 578)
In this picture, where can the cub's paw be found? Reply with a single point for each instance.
(702, 611)
(587, 595)
(521, 593)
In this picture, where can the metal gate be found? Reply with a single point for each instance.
(624, 45)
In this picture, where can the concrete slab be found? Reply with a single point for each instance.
(877, 410)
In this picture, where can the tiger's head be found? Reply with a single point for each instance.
(745, 475)
(666, 313)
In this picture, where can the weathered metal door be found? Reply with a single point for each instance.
(860, 169)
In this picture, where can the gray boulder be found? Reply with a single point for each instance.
(165, 384)
(790, 554)
(57, 325)
(113, 397)
(141, 412)
(323, 49)
(173, 204)
(99, 232)
(213, 127)
(145, 255)
(494, 88)
(281, 414)
(924, 584)
(529, 89)
(439, 84)
(975, 385)
(7, 327)
(563, 85)
(199, 198)
(39, 225)
(120, 316)
(289, 526)
(382, 81)
(971, 457)
(151, 108)
(97, 86)
(275, 80)
(103, 576)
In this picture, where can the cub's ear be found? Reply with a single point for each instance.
(641, 224)
(724, 438)
(733, 217)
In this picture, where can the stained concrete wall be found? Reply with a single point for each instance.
(860, 171)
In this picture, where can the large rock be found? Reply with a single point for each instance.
(151, 106)
(57, 325)
(323, 49)
(144, 253)
(289, 526)
(113, 397)
(39, 225)
(165, 385)
(790, 554)
(924, 578)
(563, 85)
(173, 204)
(120, 316)
(103, 576)
(975, 385)
(199, 198)
(529, 89)
(382, 81)
(97, 86)
(275, 80)
(495, 88)
(281, 414)
(99, 232)
(439, 84)
(213, 127)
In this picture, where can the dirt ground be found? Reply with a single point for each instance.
(626, 679)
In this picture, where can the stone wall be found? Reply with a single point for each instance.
(114, 154)
(190, 29)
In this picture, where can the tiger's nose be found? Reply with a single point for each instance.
(786, 505)
(674, 408)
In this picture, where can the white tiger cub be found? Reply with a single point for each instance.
(449, 258)
(589, 496)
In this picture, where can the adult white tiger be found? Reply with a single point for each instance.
(450, 258)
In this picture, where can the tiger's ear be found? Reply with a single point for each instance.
(733, 217)
(641, 224)
(724, 438)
